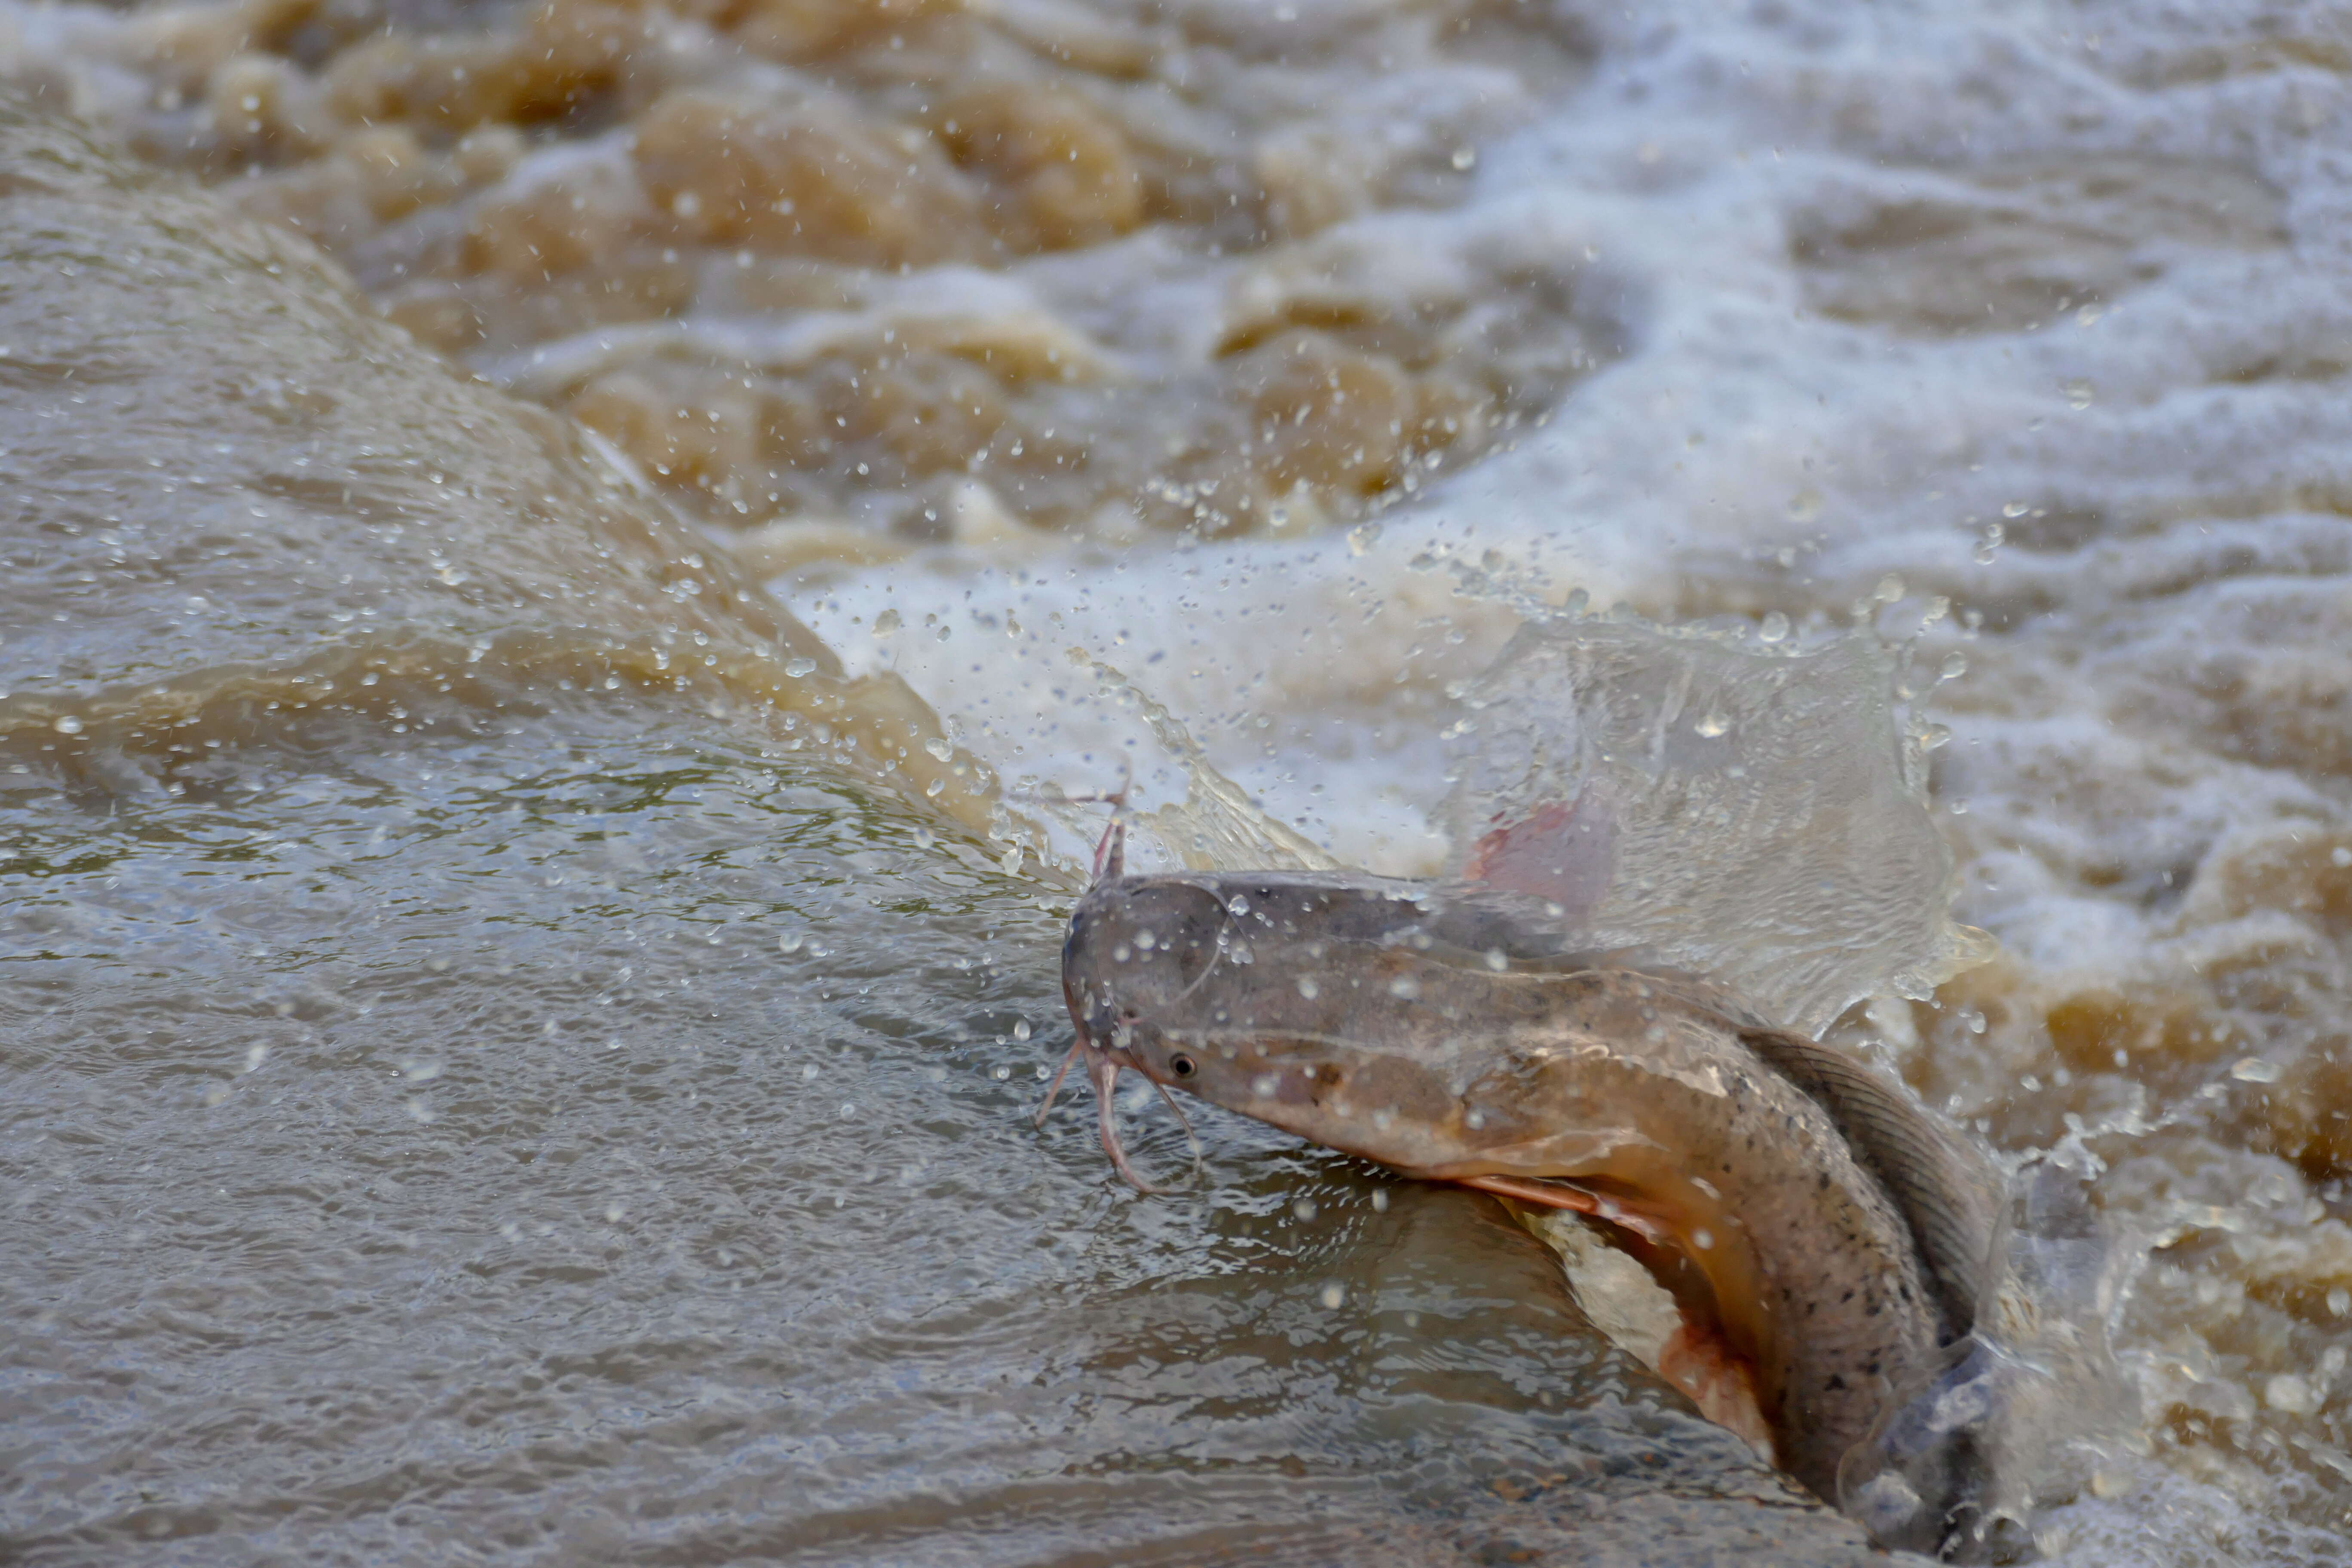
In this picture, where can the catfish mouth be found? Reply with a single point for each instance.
(1104, 1064)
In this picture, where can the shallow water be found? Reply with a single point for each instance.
(2018, 336)
(511, 1057)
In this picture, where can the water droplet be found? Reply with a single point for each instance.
(789, 943)
(1001, 1074)
(2339, 856)
(849, 1110)
(1361, 538)
(2079, 394)
(1240, 906)
(800, 667)
(1146, 940)
(1775, 628)
(2253, 1070)
(1305, 1208)
(66, 724)
(2015, 509)
(1954, 666)
(1379, 1203)
(1307, 988)
(613, 1213)
(885, 622)
(2339, 1301)
(1466, 158)
(1712, 723)
(1334, 1295)
(2290, 1392)
(1405, 986)
(255, 1056)
(1889, 589)
(940, 747)
(1496, 959)
(1021, 1030)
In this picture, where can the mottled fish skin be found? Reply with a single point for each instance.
(1843, 1236)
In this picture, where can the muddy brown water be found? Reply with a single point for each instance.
(508, 1058)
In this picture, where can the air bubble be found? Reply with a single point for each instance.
(789, 943)
(1307, 988)
(1305, 1208)
(66, 724)
(1021, 1030)
(1334, 1295)
(1712, 723)
(1775, 628)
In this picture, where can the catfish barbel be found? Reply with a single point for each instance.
(1838, 1239)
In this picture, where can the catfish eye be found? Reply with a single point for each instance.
(1182, 1065)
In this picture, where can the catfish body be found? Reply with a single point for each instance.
(1840, 1235)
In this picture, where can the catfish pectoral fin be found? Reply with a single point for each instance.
(1576, 1200)
(1533, 1190)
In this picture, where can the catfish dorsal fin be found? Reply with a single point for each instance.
(1949, 1193)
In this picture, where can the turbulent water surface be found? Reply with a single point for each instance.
(541, 604)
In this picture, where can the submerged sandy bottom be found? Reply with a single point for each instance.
(1275, 360)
